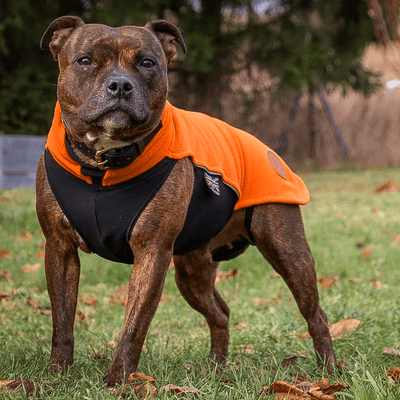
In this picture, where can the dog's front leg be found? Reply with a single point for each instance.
(62, 273)
(62, 270)
(152, 242)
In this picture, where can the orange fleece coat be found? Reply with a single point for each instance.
(257, 174)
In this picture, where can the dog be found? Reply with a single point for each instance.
(130, 177)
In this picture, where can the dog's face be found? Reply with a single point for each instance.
(113, 83)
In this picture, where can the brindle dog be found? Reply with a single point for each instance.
(95, 63)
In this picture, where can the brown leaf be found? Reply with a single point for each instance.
(367, 253)
(345, 326)
(90, 301)
(140, 376)
(396, 240)
(375, 210)
(181, 391)
(81, 317)
(25, 236)
(394, 373)
(327, 282)
(32, 303)
(387, 350)
(5, 254)
(287, 362)
(5, 275)
(284, 387)
(240, 325)
(378, 285)
(30, 268)
(387, 187)
(261, 302)
(11, 385)
(4, 296)
(40, 255)
(120, 296)
(221, 276)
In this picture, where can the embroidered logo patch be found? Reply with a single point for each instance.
(276, 164)
(212, 183)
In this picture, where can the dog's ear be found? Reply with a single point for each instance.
(58, 32)
(168, 34)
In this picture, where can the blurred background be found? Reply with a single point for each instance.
(315, 80)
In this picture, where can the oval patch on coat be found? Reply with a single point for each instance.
(276, 164)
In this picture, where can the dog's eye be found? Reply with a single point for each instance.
(147, 63)
(84, 60)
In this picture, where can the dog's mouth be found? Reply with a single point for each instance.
(114, 122)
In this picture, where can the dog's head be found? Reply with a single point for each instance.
(113, 83)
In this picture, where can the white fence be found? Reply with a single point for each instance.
(19, 156)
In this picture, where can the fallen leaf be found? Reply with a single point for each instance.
(112, 344)
(221, 275)
(283, 387)
(4, 296)
(378, 285)
(287, 362)
(181, 391)
(5, 254)
(327, 282)
(40, 255)
(30, 268)
(345, 326)
(120, 296)
(261, 302)
(387, 350)
(394, 373)
(387, 187)
(337, 214)
(367, 253)
(5, 275)
(240, 325)
(395, 240)
(81, 317)
(90, 301)
(41, 310)
(142, 377)
(12, 385)
(25, 236)
(375, 210)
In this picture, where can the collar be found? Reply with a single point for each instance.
(111, 158)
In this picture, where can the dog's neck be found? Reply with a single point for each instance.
(110, 156)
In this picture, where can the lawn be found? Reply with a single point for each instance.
(354, 235)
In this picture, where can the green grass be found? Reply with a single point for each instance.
(343, 219)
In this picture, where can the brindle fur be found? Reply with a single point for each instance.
(277, 228)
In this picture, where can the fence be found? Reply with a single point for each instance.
(19, 156)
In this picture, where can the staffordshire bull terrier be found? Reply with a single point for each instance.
(130, 177)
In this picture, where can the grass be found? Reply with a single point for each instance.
(354, 236)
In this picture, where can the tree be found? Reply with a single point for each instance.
(303, 42)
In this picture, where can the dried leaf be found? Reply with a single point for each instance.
(396, 240)
(25, 236)
(387, 350)
(367, 253)
(287, 362)
(140, 376)
(240, 325)
(345, 326)
(221, 276)
(30, 268)
(40, 255)
(120, 296)
(32, 303)
(378, 285)
(375, 210)
(81, 317)
(5, 275)
(387, 187)
(394, 373)
(285, 388)
(4, 296)
(90, 301)
(261, 302)
(5, 254)
(12, 385)
(181, 391)
(327, 282)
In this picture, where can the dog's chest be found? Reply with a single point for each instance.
(105, 215)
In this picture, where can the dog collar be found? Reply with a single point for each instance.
(110, 158)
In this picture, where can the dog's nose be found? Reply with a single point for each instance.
(119, 87)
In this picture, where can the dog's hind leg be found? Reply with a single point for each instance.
(279, 235)
(195, 277)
